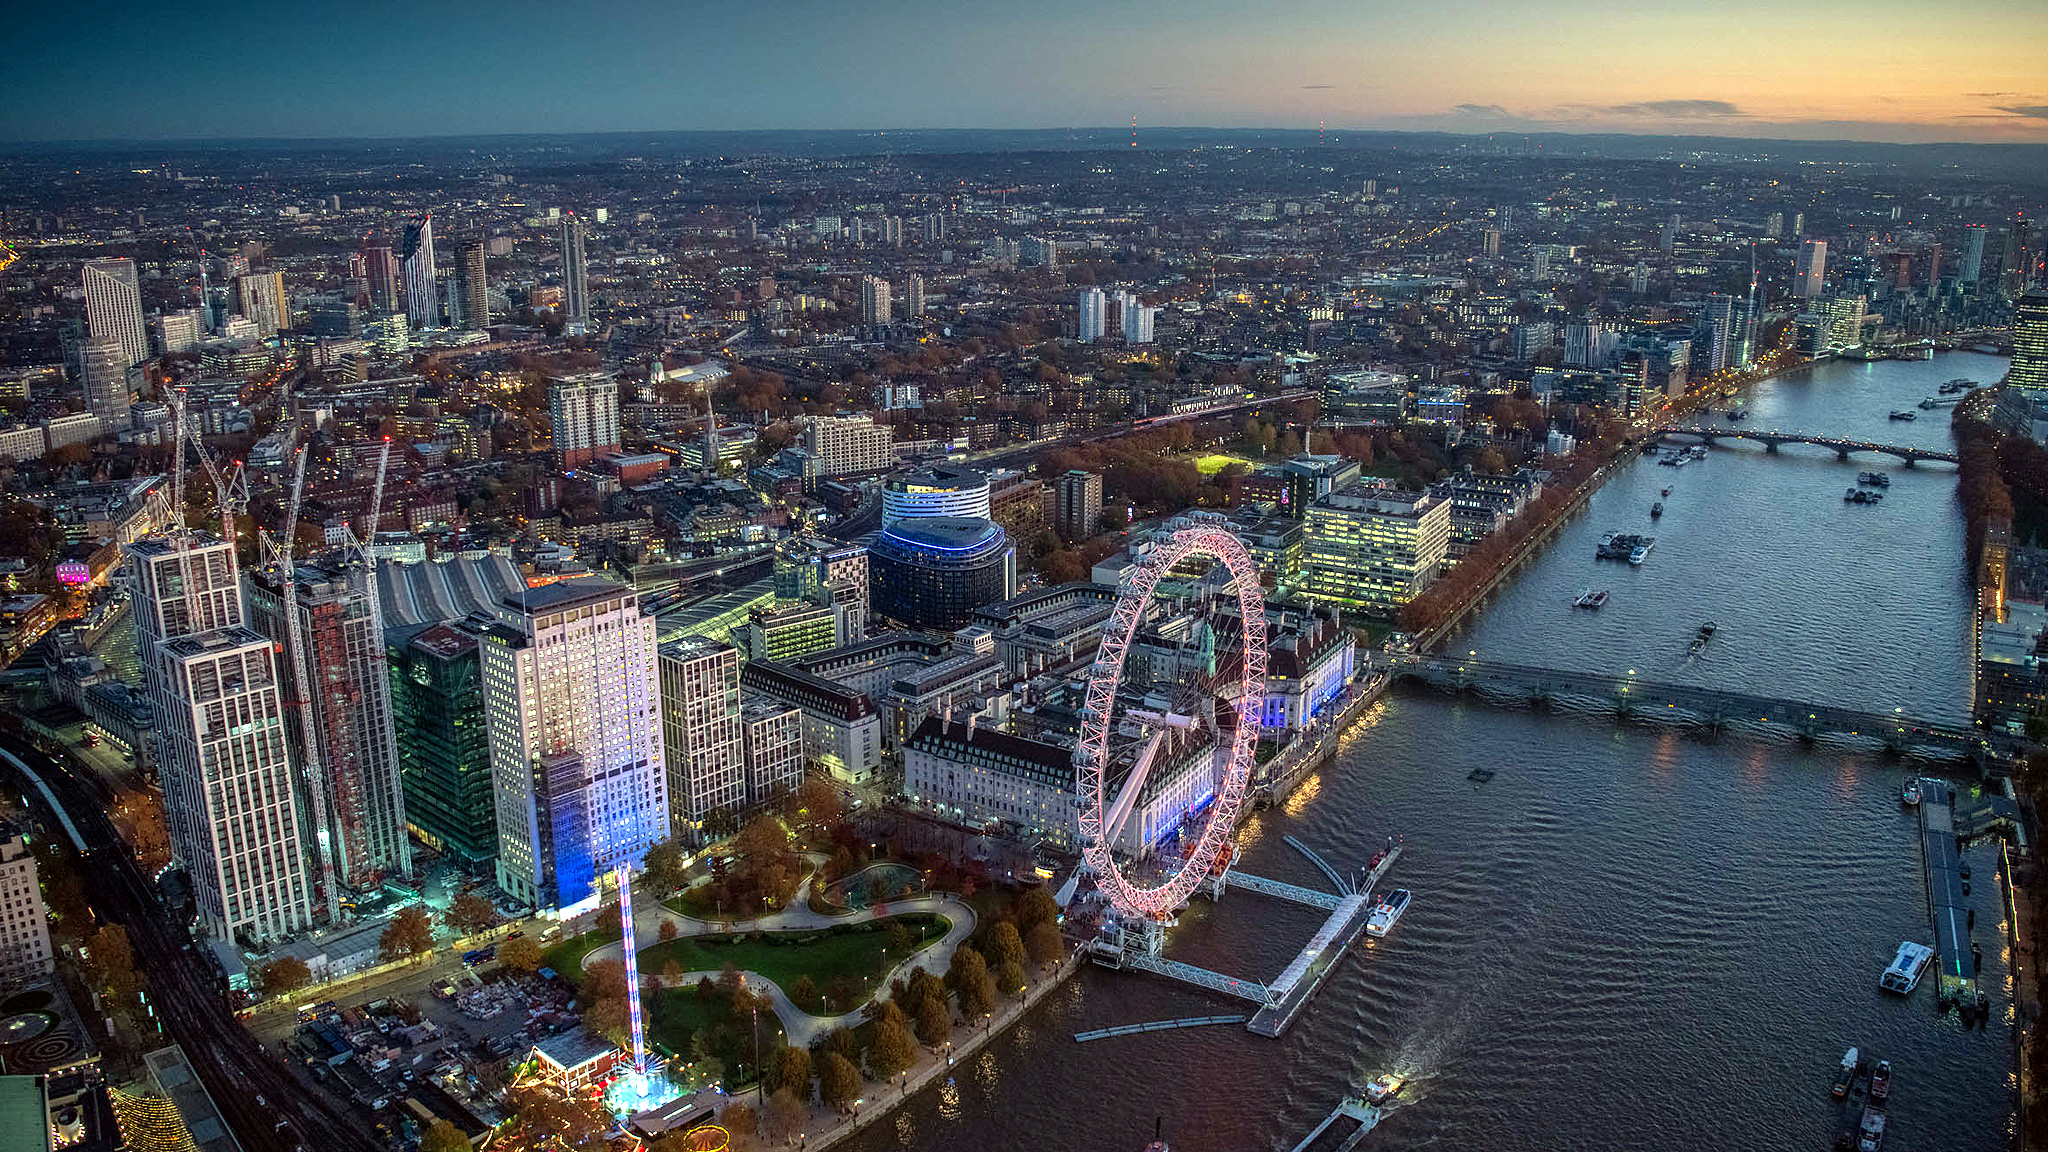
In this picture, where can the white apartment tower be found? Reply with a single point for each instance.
(772, 733)
(24, 920)
(106, 381)
(700, 729)
(575, 276)
(1094, 307)
(913, 294)
(845, 445)
(874, 300)
(584, 410)
(229, 795)
(113, 306)
(572, 708)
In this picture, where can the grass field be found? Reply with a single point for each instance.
(1214, 462)
(857, 953)
(566, 956)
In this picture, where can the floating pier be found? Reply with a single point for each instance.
(1945, 904)
(1342, 1129)
(1298, 982)
(1155, 1026)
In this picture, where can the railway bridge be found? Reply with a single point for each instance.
(1770, 438)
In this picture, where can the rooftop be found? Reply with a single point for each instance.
(565, 594)
(574, 1048)
(946, 533)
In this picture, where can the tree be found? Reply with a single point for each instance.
(706, 990)
(896, 938)
(410, 933)
(786, 1111)
(739, 1119)
(284, 974)
(970, 980)
(1004, 945)
(803, 990)
(842, 1042)
(608, 1018)
(665, 867)
(470, 913)
(111, 961)
(893, 1050)
(604, 979)
(820, 802)
(791, 1070)
(1010, 976)
(838, 1080)
(934, 1021)
(1035, 907)
(668, 931)
(520, 953)
(442, 1136)
(1043, 944)
(553, 1122)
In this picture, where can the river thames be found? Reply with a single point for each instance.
(1631, 937)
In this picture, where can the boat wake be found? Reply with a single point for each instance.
(1441, 1023)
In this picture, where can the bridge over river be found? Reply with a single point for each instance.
(1770, 438)
(1631, 696)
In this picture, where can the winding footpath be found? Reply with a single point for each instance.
(802, 1027)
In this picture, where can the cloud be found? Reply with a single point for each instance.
(1317, 86)
(1675, 109)
(1493, 110)
(2028, 111)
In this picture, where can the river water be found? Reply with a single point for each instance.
(1631, 937)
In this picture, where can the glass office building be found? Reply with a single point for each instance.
(933, 572)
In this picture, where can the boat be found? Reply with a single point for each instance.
(1906, 968)
(1865, 353)
(1870, 1133)
(1881, 1082)
(1666, 492)
(1736, 414)
(1697, 452)
(1707, 629)
(1859, 496)
(1698, 642)
(1910, 794)
(1933, 402)
(1619, 545)
(1590, 599)
(1383, 1087)
(1874, 479)
(1656, 509)
(1387, 912)
(1641, 551)
(1846, 1075)
(1903, 414)
(1959, 384)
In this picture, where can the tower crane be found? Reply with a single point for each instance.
(363, 590)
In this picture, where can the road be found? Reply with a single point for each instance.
(235, 1070)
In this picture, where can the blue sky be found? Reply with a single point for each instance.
(1876, 69)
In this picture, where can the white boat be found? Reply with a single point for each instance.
(1383, 1087)
(1641, 551)
(1910, 794)
(1904, 974)
(1387, 912)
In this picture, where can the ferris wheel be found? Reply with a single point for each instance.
(1235, 700)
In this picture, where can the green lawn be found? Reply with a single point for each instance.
(566, 956)
(1214, 462)
(855, 952)
(675, 1015)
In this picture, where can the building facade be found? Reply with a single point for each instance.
(573, 708)
(772, 735)
(701, 730)
(934, 572)
(584, 411)
(575, 276)
(941, 490)
(444, 750)
(1077, 504)
(106, 381)
(849, 445)
(422, 290)
(24, 920)
(113, 306)
(473, 291)
(1374, 547)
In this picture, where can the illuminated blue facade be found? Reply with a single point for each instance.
(936, 571)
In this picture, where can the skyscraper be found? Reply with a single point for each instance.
(913, 294)
(230, 800)
(106, 381)
(700, 729)
(1973, 253)
(1489, 242)
(1811, 271)
(113, 306)
(422, 287)
(573, 709)
(874, 300)
(260, 298)
(471, 289)
(1093, 306)
(380, 271)
(1078, 504)
(350, 699)
(2030, 344)
(2018, 271)
(584, 409)
(575, 276)
(1667, 241)
(444, 752)
(1137, 319)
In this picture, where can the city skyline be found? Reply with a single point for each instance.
(1824, 71)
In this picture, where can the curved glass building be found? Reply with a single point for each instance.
(934, 571)
(941, 490)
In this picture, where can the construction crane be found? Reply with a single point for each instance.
(363, 591)
(279, 561)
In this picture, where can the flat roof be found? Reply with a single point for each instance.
(566, 594)
(24, 1112)
(573, 1049)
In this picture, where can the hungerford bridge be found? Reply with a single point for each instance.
(1770, 438)
(1631, 696)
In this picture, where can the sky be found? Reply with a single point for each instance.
(1892, 70)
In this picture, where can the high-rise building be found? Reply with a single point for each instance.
(824, 572)
(24, 919)
(1374, 547)
(472, 290)
(913, 294)
(772, 736)
(2030, 343)
(1040, 250)
(1798, 224)
(1774, 226)
(113, 306)
(848, 445)
(230, 797)
(444, 751)
(1973, 253)
(584, 409)
(874, 300)
(1489, 242)
(2020, 256)
(1811, 272)
(934, 227)
(422, 283)
(380, 273)
(941, 490)
(892, 231)
(788, 631)
(106, 380)
(575, 276)
(349, 700)
(260, 298)
(1093, 306)
(700, 730)
(179, 331)
(1137, 319)
(936, 571)
(1667, 240)
(573, 707)
(1077, 499)
(1639, 279)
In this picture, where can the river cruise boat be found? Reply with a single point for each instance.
(1383, 1087)
(1590, 599)
(1870, 1134)
(1641, 551)
(1906, 968)
(1904, 414)
(1910, 794)
(1875, 479)
(1387, 912)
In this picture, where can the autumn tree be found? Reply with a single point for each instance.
(739, 1119)
(548, 1122)
(520, 953)
(1004, 945)
(1010, 977)
(470, 913)
(970, 980)
(791, 1069)
(410, 933)
(110, 960)
(934, 1021)
(1043, 944)
(838, 1080)
(787, 1112)
(442, 1136)
(893, 1050)
(664, 868)
(284, 974)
